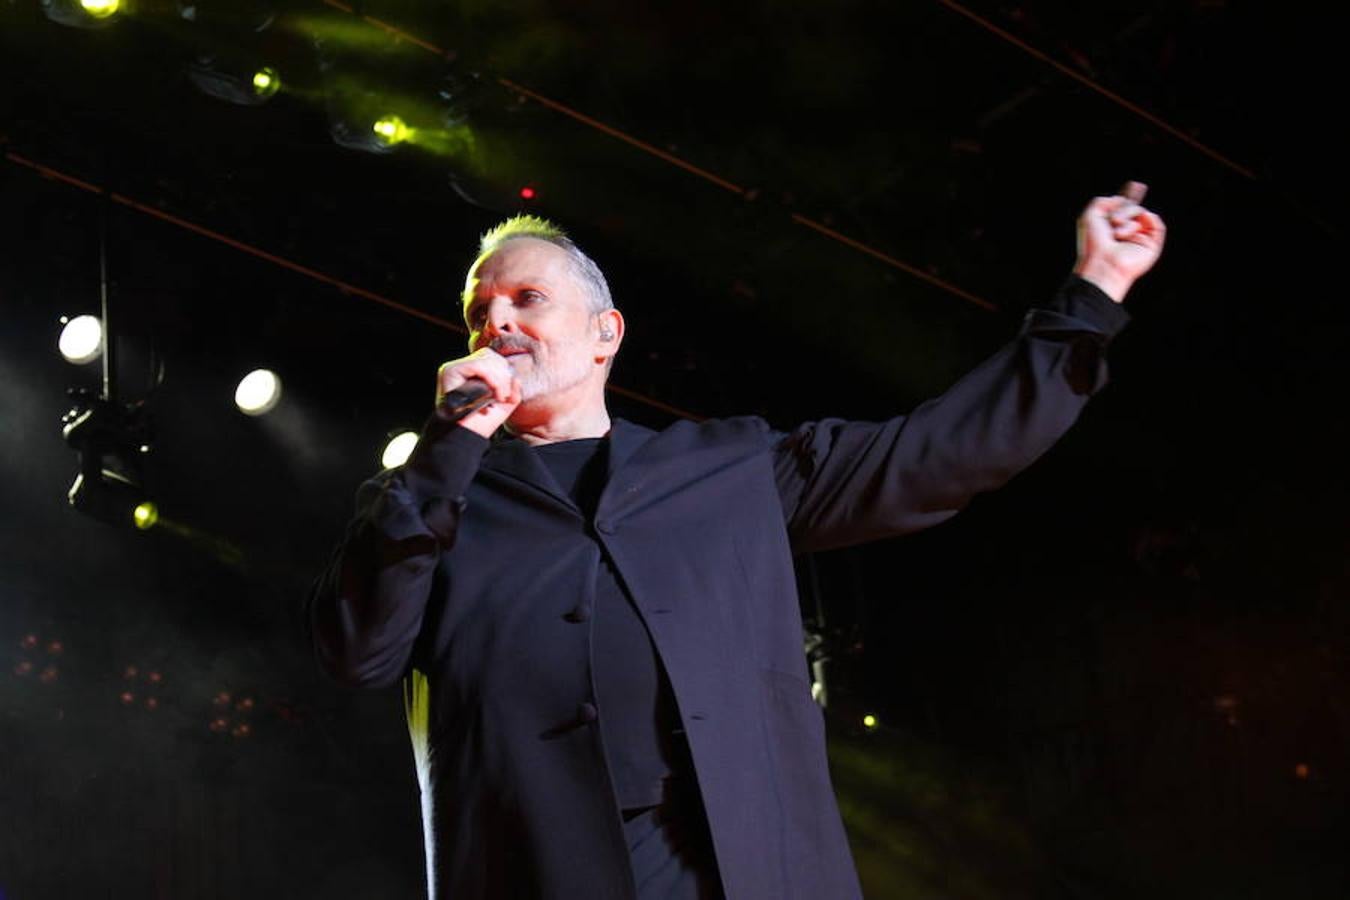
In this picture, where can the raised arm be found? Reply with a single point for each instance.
(846, 482)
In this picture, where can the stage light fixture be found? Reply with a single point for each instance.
(81, 339)
(82, 13)
(110, 439)
(112, 498)
(870, 722)
(391, 130)
(243, 82)
(399, 448)
(145, 515)
(266, 81)
(258, 392)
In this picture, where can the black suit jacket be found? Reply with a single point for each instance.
(470, 566)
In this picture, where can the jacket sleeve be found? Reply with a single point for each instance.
(365, 612)
(844, 483)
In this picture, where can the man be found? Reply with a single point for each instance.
(598, 622)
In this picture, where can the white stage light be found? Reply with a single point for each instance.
(81, 340)
(397, 451)
(258, 392)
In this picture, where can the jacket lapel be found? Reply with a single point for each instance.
(512, 460)
(624, 440)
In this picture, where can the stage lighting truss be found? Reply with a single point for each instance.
(83, 13)
(111, 440)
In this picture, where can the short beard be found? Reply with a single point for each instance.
(541, 380)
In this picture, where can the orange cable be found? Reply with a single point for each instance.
(890, 260)
(1089, 83)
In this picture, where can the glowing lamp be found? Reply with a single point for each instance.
(266, 82)
(145, 515)
(390, 130)
(258, 392)
(81, 339)
(397, 451)
(101, 9)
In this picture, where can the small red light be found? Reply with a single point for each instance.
(55, 647)
(49, 674)
(245, 704)
(154, 678)
(29, 641)
(527, 193)
(221, 699)
(23, 667)
(242, 730)
(130, 672)
(127, 698)
(151, 703)
(219, 725)
(1301, 771)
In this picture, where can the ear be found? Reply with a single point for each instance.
(608, 334)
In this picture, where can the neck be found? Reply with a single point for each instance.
(548, 421)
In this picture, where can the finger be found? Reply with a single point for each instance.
(1124, 213)
(1104, 206)
(1153, 224)
(1133, 191)
(488, 367)
(1127, 230)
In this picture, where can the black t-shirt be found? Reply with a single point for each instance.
(638, 719)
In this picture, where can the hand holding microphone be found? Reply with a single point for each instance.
(479, 391)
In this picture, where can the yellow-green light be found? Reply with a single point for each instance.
(392, 130)
(266, 82)
(101, 9)
(870, 722)
(146, 515)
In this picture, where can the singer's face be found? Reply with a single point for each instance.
(523, 301)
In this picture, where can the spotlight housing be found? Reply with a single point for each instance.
(238, 80)
(82, 13)
(113, 499)
(110, 440)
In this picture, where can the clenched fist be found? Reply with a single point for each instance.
(1118, 240)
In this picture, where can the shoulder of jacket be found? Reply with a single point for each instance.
(733, 430)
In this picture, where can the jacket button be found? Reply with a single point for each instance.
(604, 526)
(578, 615)
(587, 712)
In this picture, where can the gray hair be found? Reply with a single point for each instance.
(583, 267)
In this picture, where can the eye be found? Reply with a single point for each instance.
(531, 296)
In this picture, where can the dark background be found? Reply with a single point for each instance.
(1124, 675)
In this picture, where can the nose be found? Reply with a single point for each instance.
(498, 319)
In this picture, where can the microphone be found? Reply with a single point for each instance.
(469, 397)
